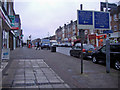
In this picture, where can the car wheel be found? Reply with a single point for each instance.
(71, 54)
(117, 65)
(94, 60)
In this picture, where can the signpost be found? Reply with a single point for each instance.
(107, 47)
(93, 20)
(0, 47)
(0, 36)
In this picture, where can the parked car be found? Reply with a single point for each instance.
(100, 55)
(68, 44)
(55, 44)
(88, 50)
(60, 45)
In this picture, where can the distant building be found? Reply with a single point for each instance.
(58, 33)
(52, 37)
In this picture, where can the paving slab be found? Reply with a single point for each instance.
(32, 87)
(30, 82)
(54, 80)
(45, 86)
(42, 80)
(30, 77)
(59, 86)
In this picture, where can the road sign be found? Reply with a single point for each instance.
(85, 19)
(101, 20)
(108, 31)
(93, 20)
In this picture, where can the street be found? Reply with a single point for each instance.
(30, 68)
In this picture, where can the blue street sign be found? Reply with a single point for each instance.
(85, 17)
(108, 31)
(101, 20)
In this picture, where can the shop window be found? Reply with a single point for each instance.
(119, 27)
(111, 19)
(115, 28)
(115, 17)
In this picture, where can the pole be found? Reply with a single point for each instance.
(107, 54)
(81, 34)
(107, 47)
(106, 5)
(0, 38)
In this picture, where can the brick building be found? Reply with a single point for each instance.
(115, 24)
(58, 34)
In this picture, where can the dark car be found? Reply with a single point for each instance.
(68, 45)
(88, 50)
(100, 55)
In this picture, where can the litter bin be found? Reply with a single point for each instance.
(53, 49)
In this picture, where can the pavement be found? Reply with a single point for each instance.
(31, 73)
(30, 68)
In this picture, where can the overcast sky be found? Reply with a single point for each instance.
(40, 17)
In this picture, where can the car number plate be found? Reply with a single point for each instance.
(90, 51)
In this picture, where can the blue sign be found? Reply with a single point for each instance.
(85, 17)
(108, 31)
(101, 20)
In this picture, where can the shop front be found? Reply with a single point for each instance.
(92, 39)
(101, 39)
(97, 40)
(115, 37)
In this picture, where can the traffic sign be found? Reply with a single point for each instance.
(93, 20)
(108, 31)
(101, 20)
(85, 19)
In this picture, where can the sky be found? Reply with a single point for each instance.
(41, 18)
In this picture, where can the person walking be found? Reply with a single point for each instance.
(38, 46)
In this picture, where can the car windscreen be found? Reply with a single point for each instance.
(115, 48)
(88, 47)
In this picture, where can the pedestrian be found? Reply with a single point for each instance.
(38, 46)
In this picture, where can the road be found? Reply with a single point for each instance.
(68, 69)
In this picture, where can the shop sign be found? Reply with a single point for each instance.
(101, 36)
(15, 23)
(12, 19)
(6, 53)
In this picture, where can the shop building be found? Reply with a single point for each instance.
(115, 24)
(10, 24)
